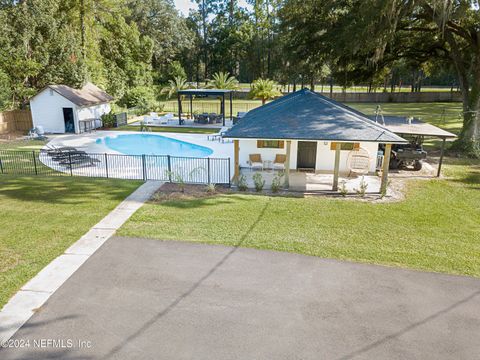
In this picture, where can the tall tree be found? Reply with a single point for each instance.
(370, 35)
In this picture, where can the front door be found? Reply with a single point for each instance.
(307, 155)
(69, 121)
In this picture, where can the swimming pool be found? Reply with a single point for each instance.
(152, 144)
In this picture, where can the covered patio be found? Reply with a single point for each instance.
(321, 142)
(209, 119)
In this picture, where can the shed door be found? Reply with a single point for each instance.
(69, 121)
(307, 155)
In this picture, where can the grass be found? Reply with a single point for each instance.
(187, 130)
(436, 228)
(41, 217)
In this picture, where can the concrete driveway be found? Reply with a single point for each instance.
(147, 299)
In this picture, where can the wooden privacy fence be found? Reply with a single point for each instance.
(15, 120)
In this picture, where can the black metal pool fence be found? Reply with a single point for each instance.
(135, 167)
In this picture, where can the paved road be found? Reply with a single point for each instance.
(147, 299)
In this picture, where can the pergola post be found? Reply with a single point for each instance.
(223, 108)
(236, 162)
(179, 109)
(286, 184)
(231, 107)
(336, 169)
(386, 166)
(442, 151)
(191, 106)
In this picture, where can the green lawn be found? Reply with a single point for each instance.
(41, 217)
(436, 228)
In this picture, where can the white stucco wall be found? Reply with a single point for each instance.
(325, 157)
(248, 147)
(93, 112)
(47, 111)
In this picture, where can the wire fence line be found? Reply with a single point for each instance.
(135, 167)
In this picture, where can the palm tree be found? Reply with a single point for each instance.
(264, 89)
(223, 80)
(178, 83)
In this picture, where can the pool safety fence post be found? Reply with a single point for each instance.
(106, 165)
(144, 168)
(208, 169)
(34, 162)
(1, 166)
(169, 166)
(70, 162)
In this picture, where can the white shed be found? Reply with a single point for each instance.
(62, 109)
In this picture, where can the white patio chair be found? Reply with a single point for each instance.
(255, 161)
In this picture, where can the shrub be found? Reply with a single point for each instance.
(277, 183)
(108, 120)
(242, 183)
(211, 188)
(258, 181)
(363, 187)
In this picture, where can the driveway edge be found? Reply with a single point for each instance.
(37, 291)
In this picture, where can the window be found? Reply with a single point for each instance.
(272, 144)
(345, 146)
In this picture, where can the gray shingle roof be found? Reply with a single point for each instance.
(306, 115)
(88, 95)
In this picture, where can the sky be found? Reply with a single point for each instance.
(184, 5)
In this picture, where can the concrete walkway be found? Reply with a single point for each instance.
(150, 299)
(36, 292)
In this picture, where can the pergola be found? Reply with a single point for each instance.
(403, 126)
(205, 93)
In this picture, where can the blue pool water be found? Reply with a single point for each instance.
(150, 144)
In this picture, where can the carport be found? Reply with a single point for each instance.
(412, 126)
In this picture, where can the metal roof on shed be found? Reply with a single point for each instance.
(88, 95)
(401, 125)
(306, 115)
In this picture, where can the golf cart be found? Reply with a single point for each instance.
(408, 156)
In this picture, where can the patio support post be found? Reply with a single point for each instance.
(336, 169)
(223, 108)
(231, 107)
(179, 110)
(191, 106)
(386, 165)
(441, 157)
(236, 162)
(287, 165)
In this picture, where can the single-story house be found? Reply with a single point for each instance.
(62, 109)
(313, 132)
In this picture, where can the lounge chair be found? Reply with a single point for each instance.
(148, 120)
(255, 161)
(37, 133)
(279, 162)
